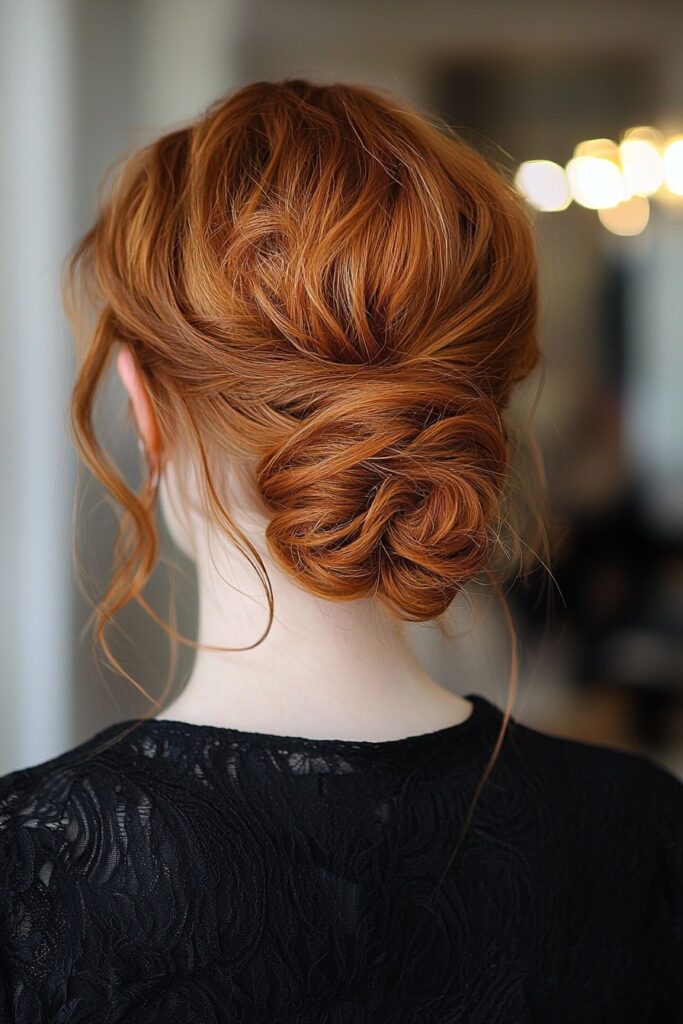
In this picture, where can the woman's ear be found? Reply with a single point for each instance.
(143, 410)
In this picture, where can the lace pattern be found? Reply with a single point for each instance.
(196, 875)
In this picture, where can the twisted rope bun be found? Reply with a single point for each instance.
(337, 291)
(391, 490)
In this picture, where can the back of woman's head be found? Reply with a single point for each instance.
(336, 294)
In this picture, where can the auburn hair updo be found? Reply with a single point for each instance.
(337, 292)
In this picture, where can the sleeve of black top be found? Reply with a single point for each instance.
(661, 800)
(35, 915)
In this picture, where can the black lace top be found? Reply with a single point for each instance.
(191, 874)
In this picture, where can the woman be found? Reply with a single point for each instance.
(319, 302)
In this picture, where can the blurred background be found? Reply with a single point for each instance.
(584, 103)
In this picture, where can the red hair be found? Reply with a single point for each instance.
(338, 294)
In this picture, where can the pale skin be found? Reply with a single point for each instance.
(327, 669)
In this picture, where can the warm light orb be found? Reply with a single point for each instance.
(544, 185)
(646, 133)
(673, 166)
(628, 218)
(641, 160)
(605, 149)
(596, 182)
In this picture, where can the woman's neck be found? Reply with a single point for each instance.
(325, 669)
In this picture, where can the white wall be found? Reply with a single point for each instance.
(36, 208)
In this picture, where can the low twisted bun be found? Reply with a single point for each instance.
(392, 490)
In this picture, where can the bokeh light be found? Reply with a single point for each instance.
(673, 166)
(596, 182)
(628, 218)
(544, 184)
(641, 160)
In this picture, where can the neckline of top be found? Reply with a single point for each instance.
(481, 709)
